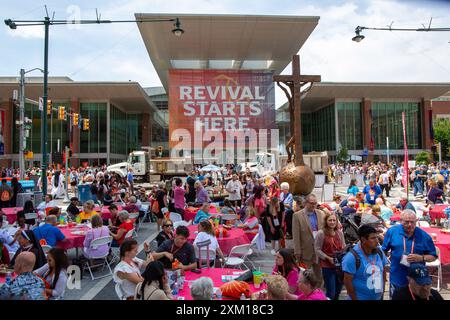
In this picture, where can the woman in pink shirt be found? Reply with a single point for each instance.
(178, 197)
(286, 266)
(308, 285)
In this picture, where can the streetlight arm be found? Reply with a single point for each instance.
(34, 70)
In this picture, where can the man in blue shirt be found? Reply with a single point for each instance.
(372, 191)
(405, 204)
(27, 285)
(407, 244)
(49, 232)
(364, 267)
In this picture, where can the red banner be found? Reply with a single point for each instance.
(207, 103)
(405, 178)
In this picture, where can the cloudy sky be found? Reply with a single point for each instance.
(117, 52)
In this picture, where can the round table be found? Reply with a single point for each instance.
(236, 236)
(72, 240)
(438, 211)
(189, 213)
(11, 214)
(216, 276)
(443, 243)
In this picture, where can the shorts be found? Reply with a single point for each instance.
(159, 215)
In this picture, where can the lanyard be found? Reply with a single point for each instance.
(174, 252)
(404, 245)
(412, 294)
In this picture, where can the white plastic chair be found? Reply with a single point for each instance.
(424, 224)
(119, 292)
(237, 256)
(437, 264)
(180, 223)
(175, 217)
(228, 217)
(208, 254)
(94, 245)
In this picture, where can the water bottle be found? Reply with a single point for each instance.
(175, 289)
(243, 297)
(219, 294)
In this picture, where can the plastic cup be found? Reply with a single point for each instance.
(257, 279)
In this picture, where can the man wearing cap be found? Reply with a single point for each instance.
(405, 204)
(407, 245)
(419, 285)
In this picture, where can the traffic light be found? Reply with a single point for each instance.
(75, 119)
(85, 124)
(49, 107)
(61, 113)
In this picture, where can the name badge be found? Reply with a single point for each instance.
(276, 223)
(404, 260)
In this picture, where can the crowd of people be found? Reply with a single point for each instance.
(318, 249)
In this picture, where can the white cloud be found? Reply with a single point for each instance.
(27, 32)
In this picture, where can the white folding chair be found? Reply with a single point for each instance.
(424, 224)
(208, 254)
(254, 245)
(237, 256)
(130, 234)
(145, 207)
(437, 264)
(135, 216)
(175, 217)
(228, 217)
(94, 245)
(119, 292)
(180, 223)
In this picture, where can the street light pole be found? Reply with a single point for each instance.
(21, 124)
(44, 112)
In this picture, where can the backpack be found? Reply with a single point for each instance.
(340, 256)
(6, 196)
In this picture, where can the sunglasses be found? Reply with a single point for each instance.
(168, 225)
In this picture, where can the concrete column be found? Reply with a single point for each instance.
(75, 160)
(366, 125)
(425, 108)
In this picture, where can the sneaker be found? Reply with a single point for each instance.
(272, 252)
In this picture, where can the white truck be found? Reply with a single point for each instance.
(146, 166)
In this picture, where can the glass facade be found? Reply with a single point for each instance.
(94, 140)
(318, 130)
(350, 125)
(57, 129)
(387, 122)
(126, 131)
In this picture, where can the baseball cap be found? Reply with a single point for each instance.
(419, 272)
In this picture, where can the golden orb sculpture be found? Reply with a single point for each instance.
(301, 178)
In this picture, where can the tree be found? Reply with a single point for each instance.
(441, 128)
(423, 157)
(342, 155)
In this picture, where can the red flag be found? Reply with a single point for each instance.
(405, 178)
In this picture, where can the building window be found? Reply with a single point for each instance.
(350, 125)
(387, 122)
(93, 140)
(318, 130)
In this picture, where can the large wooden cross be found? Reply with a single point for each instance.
(295, 82)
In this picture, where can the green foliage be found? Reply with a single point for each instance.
(441, 128)
(342, 155)
(423, 157)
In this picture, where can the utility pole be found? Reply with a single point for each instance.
(22, 124)
(66, 183)
(44, 112)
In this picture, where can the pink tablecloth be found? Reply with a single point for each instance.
(438, 211)
(189, 213)
(105, 213)
(72, 240)
(216, 276)
(443, 243)
(235, 237)
(11, 214)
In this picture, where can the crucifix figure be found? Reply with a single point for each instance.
(295, 83)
